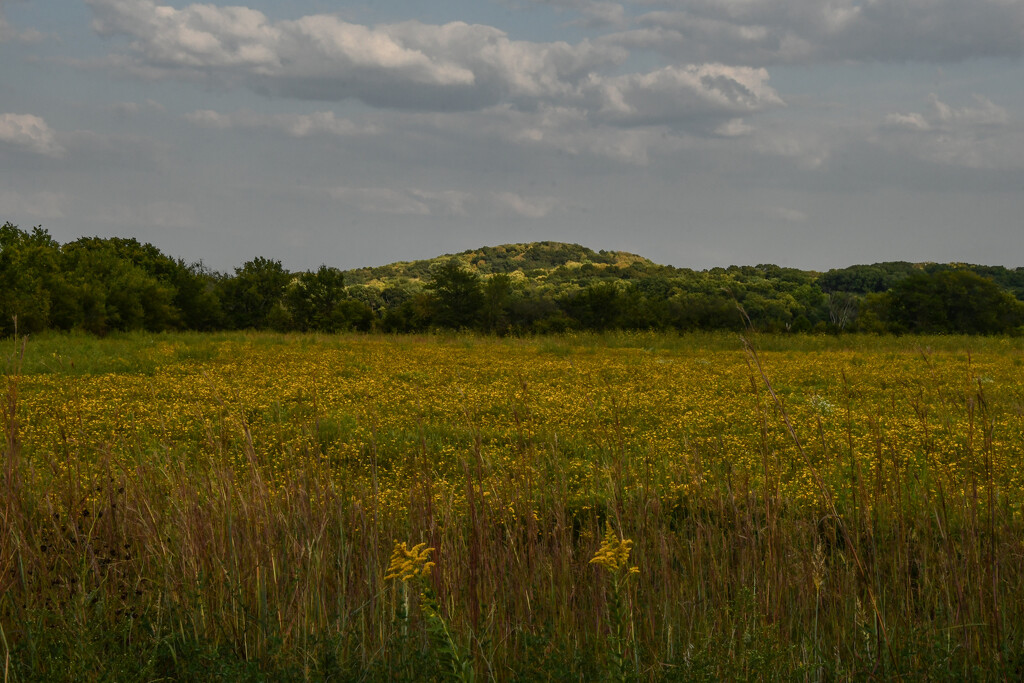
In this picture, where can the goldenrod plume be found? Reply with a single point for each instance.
(409, 564)
(614, 553)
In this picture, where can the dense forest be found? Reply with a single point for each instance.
(102, 285)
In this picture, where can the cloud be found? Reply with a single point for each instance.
(624, 118)
(30, 132)
(981, 136)
(417, 202)
(733, 128)
(676, 94)
(294, 125)
(942, 117)
(527, 207)
(797, 31)
(38, 205)
(563, 129)
(126, 109)
(405, 202)
(787, 214)
(455, 67)
(593, 13)
(10, 33)
(407, 65)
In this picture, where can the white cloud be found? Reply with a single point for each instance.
(628, 119)
(565, 129)
(942, 116)
(907, 122)
(787, 31)
(320, 57)
(403, 202)
(294, 125)
(593, 13)
(29, 132)
(808, 149)
(979, 136)
(10, 33)
(733, 128)
(528, 207)
(421, 67)
(38, 205)
(787, 214)
(136, 108)
(677, 94)
(417, 202)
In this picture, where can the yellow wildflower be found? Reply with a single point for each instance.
(613, 554)
(409, 564)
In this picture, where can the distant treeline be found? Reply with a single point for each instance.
(113, 284)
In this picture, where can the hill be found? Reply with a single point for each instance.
(105, 285)
(534, 260)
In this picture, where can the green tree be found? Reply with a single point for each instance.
(863, 279)
(957, 301)
(596, 307)
(497, 299)
(195, 301)
(412, 315)
(252, 295)
(29, 274)
(318, 301)
(458, 294)
(110, 292)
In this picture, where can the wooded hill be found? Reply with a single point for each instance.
(102, 285)
(532, 260)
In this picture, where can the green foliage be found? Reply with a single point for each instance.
(251, 296)
(536, 258)
(113, 292)
(596, 307)
(879, 277)
(412, 315)
(958, 301)
(458, 293)
(197, 306)
(31, 277)
(313, 300)
(498, 294)
(116, 284)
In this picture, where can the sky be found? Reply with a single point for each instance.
(698, 133)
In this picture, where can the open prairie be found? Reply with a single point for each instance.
(621, 506)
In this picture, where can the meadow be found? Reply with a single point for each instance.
(623, 506)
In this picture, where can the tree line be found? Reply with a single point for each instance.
(103, 285)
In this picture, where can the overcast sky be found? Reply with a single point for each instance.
(698, 133)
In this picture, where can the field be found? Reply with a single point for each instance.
(618, 507)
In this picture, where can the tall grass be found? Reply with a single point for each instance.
(171, 564)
